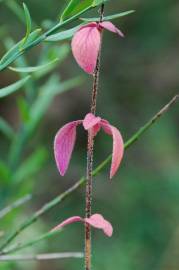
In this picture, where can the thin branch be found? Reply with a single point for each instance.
(42, 37)
(90, 152)
(19, 246)
(48, 206)
(15, 205)
(42, 257)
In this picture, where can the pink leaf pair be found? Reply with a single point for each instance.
(66, 137)
(96, 221)
(87, 41)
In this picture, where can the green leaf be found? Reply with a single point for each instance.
(47, 93)
(6, 129)
(59, 52)
(4, 172)
(28, 23)
(67, 34)
(98, 2)
(79, 8)
(17, 49)
(74, 7)
(13, 87)
(110, 17)
(35, 68)
(31, 165)
(24, 109)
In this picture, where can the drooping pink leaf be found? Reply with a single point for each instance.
(67, 222)
(97, 221)
(118, 146)
(64, 144)
(85, 47)
(111, 27)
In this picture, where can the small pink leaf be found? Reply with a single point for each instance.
(90, 121)
(64, 144)
(111, 27)
(67, 222)
(118, 146)
(85, 47)
(97, 221)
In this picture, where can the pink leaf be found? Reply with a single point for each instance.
(64, 144)
(97, 221)
(85, 47)
(118, 146)
(67, 222)
(90, 121)
(111, 27)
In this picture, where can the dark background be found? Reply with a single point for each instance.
(139, 74)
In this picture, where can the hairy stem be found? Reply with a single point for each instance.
(57, 200)
(90, 147)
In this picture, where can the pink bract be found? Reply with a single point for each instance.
(97, 221)
(66, 137)
(87, 41)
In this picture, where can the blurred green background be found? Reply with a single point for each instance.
(139, 75)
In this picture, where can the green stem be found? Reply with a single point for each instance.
(44, 36)
(15, 205)
(19, 246)
(42, 257)
(48, 206)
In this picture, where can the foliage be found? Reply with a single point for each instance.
(145, 193)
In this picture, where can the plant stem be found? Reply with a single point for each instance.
(15, 205)
(48, 206)
(18, 246)
(42, 257)
(90, 147)
(42, 37)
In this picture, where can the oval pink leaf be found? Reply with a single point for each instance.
(97, 221)
(118, 146)
(85, 47)
(111, 27)
(67, 222)
(64, 144)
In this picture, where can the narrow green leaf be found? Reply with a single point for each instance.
(59, 52)
(13, 87)
(74, 7)
(67, 34)
(28, 23)
(110, 17)
(15, 51)
(47, 93)
(60, 87)
(21, 61)
(24, 109)
(4, 172)
(6, 129)
(32, 165)
(33, 69)
(30, 243)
